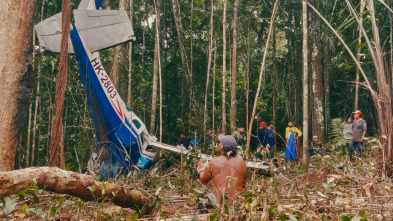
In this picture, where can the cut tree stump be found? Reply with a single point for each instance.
(67, 182)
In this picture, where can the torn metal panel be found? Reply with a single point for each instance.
(103, 29)
(49, 34)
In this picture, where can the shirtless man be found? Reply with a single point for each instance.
(225, 171)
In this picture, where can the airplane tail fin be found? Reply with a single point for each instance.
(99, 29)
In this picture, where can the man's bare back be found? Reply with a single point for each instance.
(226, 172)
(229, 175)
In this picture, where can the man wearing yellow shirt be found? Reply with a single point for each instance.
(291, 135)
(292, 130)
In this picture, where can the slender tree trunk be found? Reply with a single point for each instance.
(38, 136)
(28, 134)
(17, 19)
(362, 5)
(191, 95)
(118, 56)
(305, 84)
(318, 122)
(326, 84)
(37, 99)
(232, 116)
(261, 75)
(144, 39)
(209, 61)
(391, 46)
(274, 78)
(116, 65)
(56, 144)
(248, 75)
(214, 90)
(158, 11)
(155, 70)
(50, 122)
(130, 57)
(191, 43)
(383, 99)
(30, 113)
(180, 38)
(224, 64)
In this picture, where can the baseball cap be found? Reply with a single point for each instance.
(315, 137)
(358, 112)
(263, 124)
(228, 142)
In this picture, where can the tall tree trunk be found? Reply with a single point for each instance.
(144, 38)
(17, 19)
(224, 64)
(274, 78)
(209, 61)
(180, 38)
(37, 99)
(261, 75)
(191, 43)
(30, 113)
(130, 57)
(305, 84)
(38, 136)
(383, 99)
(158, 11)
(57, 138)
(362, 5)
(155, 70)
(116, 65)
(28, 134)
(391, 46)
(326, 84)
(232, 116)
(248, 75)
(318, 121)
(214, 90)
(117, 56)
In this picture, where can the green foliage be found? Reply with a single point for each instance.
(336, 133)
(9, 204)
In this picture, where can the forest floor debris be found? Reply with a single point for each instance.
(333, 189)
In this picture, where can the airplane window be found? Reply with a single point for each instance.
(137, 124)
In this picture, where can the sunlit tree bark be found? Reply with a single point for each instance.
(305, 83)
(17, 19)
(129, 96)
(209, 61)
(57, 136)
(224, 64)
(318, 119)
(155, 69)
(232, 116)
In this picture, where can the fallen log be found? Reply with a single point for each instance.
(71, 183)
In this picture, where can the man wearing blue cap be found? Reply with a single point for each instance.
(228, 172)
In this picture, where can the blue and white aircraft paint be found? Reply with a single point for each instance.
(121, 134)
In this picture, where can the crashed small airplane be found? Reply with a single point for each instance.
(122, 135)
